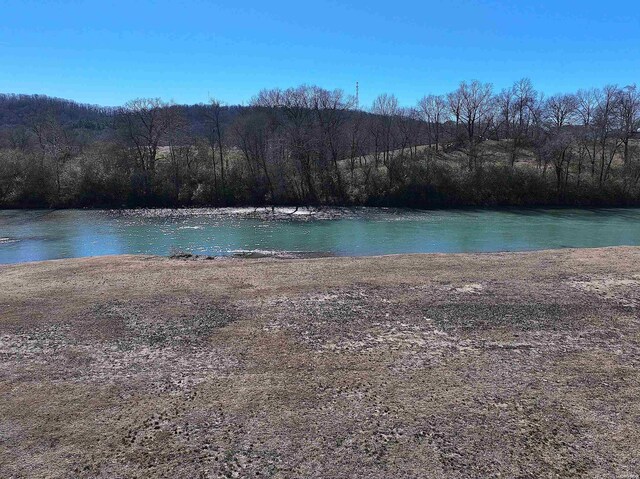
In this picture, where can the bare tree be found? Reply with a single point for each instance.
(629, 105)
(386, 109)
(10, 173)
(559, 112)
(182, 156)
(298, 132)
(329, 107)
(454, 100)
(476, 114)
(215, 138)
(147, 121)
(432, 111)
(57, 147)
(524, 96)
(607, 121)
(505, 110)
(587, 105)
(357, 139)
(408, 126)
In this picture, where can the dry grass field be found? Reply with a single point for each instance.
(438, 366)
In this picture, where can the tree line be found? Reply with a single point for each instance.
(307, 145)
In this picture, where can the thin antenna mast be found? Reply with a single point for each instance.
(357, 96)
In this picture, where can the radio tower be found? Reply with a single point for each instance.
(357, 96)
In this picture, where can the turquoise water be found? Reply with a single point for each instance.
(31, 235)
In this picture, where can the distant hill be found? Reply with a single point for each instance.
(22, 110)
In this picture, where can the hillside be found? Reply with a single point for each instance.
(311, 146)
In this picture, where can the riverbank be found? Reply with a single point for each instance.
(466, 365)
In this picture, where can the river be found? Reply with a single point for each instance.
(32, 235)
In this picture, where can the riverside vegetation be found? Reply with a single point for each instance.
(311, 146)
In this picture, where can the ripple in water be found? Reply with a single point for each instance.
(263, 213)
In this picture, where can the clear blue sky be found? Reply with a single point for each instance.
(109, 52)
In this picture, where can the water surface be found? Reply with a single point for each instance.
(31, 235)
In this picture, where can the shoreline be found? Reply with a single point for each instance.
(551, 206)
(420, 365)
(253, 255)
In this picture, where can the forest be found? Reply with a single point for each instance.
(472, 147)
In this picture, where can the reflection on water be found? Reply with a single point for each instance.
(38, 235)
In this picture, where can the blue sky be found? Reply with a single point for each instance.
(109, 52)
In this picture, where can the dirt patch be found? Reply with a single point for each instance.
(623, 291)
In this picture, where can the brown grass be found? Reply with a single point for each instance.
(489, 365)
